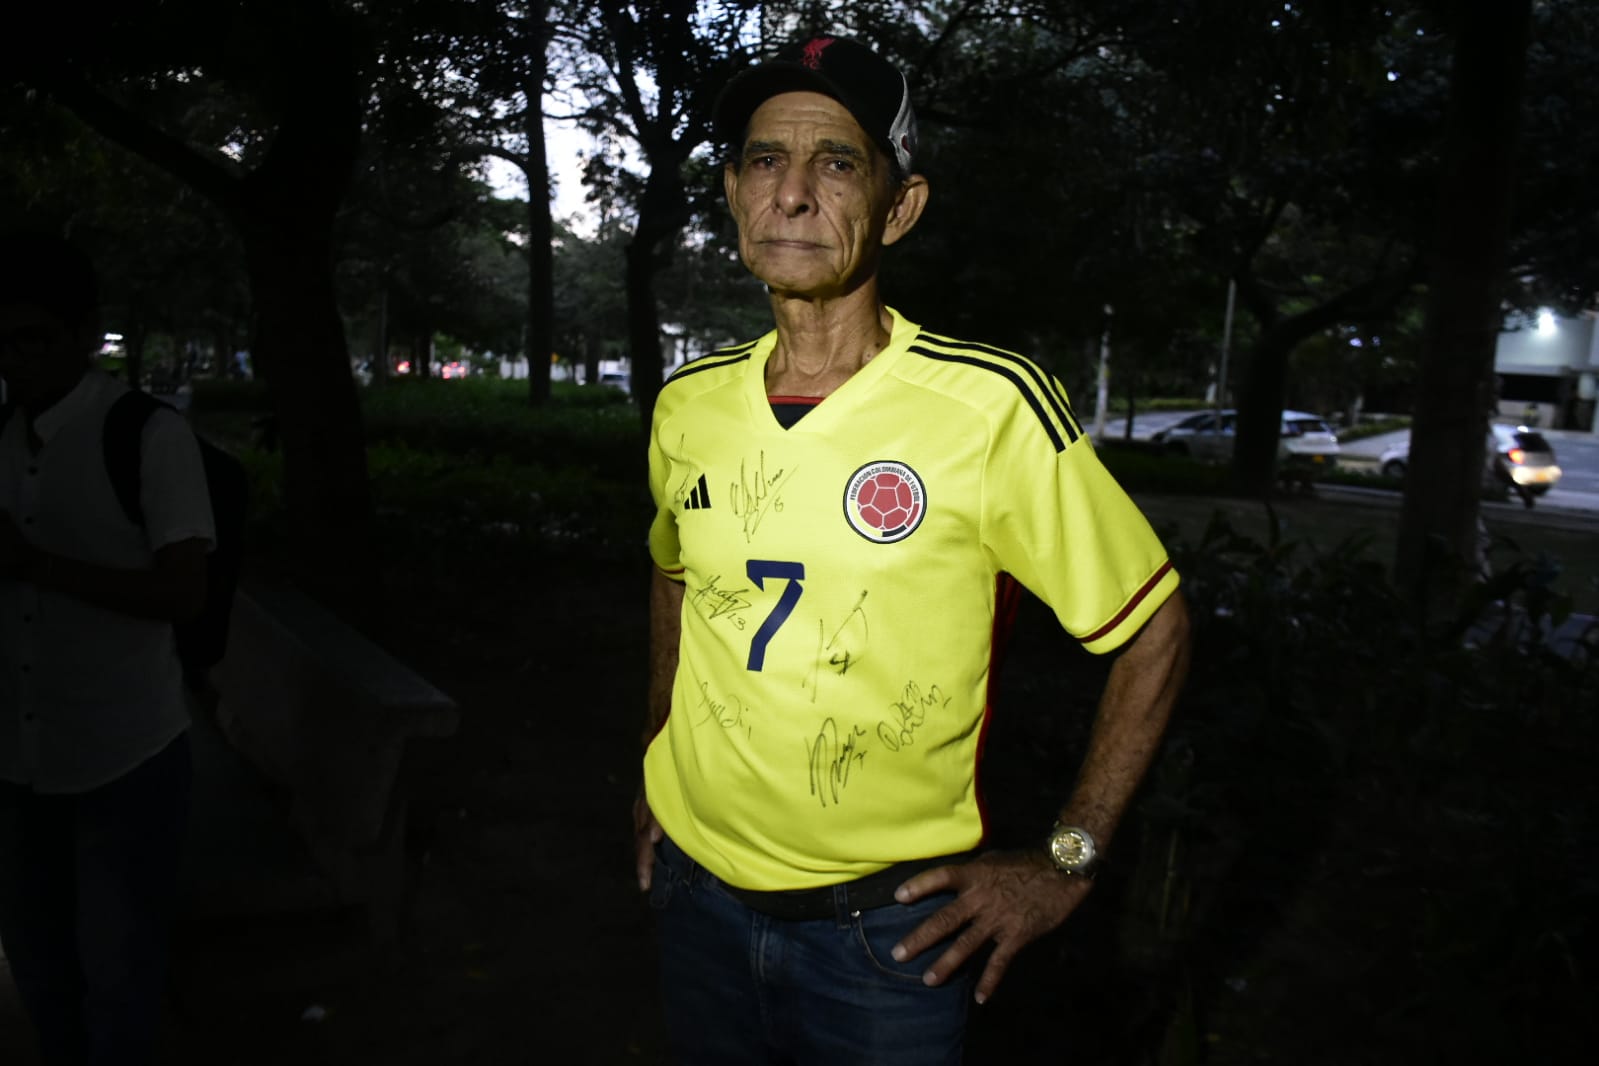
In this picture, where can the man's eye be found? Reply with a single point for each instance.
(765, 161)
(841, 166)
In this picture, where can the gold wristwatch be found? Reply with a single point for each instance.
(1072, 850)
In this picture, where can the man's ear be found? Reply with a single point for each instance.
(910, 200)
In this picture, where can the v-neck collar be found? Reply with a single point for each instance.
(858, 383)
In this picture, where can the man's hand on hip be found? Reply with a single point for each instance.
(1007, 898)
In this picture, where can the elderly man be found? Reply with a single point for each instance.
(842, 506)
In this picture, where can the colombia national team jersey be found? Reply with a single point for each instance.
(839, 596)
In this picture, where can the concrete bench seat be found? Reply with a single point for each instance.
(300, 797)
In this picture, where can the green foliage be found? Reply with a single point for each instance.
(1338, 787)
(1374, 428)
(1143, 466)
(222, 396)
(472, 456)
(485, 418)
(1118, 404)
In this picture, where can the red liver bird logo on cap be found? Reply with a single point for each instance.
(813, 52)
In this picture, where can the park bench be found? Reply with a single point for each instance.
(300, 785)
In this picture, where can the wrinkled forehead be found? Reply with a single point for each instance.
(799, 120)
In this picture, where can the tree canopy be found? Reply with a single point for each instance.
(1094, 164)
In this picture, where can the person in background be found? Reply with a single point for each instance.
(94, 763)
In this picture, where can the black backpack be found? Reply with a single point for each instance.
(203, 639)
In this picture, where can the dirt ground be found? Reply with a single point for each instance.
(524, 939)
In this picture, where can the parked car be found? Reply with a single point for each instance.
(1306, 442)
(1518, 459)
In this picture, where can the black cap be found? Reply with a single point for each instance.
(870, 87)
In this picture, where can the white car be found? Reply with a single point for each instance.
(1304, 440)
(1517, 458)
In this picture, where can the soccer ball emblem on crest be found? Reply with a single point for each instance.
(885, 501)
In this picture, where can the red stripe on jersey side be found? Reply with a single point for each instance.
(1132, 604)
(1007, 598)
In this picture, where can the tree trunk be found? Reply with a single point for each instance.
(591, 357)
(661, 210)
(643, 325)
(541, 233)
(1260, 413)
(380, 344)
(1260, 399)
(422, 354)
(300, 349)
(1467, 277)
(284, 211)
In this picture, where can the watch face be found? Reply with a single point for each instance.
(1071, 848)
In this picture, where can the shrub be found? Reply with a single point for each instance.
(1331, 793)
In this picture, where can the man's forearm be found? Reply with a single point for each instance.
(1134, 709)
(172, 590)
(666, 628)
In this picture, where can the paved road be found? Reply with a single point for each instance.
(1576, 495)
(1572, 504)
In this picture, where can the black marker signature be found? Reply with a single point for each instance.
(831, 760)
(757, 494)
(724, 603)
(908, 714)
(845, 648)
(729, 714)
(683, 487)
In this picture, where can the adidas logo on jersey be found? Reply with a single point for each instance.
(699, 499)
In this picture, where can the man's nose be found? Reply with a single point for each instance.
(794, 193)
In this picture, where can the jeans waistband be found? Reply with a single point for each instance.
(827, 901)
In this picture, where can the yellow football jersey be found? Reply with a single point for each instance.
(839, 600)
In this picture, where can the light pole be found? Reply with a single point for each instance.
(1102, 393)
(1226, 344)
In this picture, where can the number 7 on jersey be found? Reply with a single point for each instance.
(758, 570)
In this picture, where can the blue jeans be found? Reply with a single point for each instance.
(740, 987)
(87, 886)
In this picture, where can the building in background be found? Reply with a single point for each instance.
(1546, 372)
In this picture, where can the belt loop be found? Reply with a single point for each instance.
(842, 912)
(693, 873)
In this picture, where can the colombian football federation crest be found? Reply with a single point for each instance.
(885, 501)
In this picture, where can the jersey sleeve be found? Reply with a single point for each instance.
(1057, 520)
(172, 485)
(666, 549)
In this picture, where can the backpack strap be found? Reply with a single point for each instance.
(121, 440)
